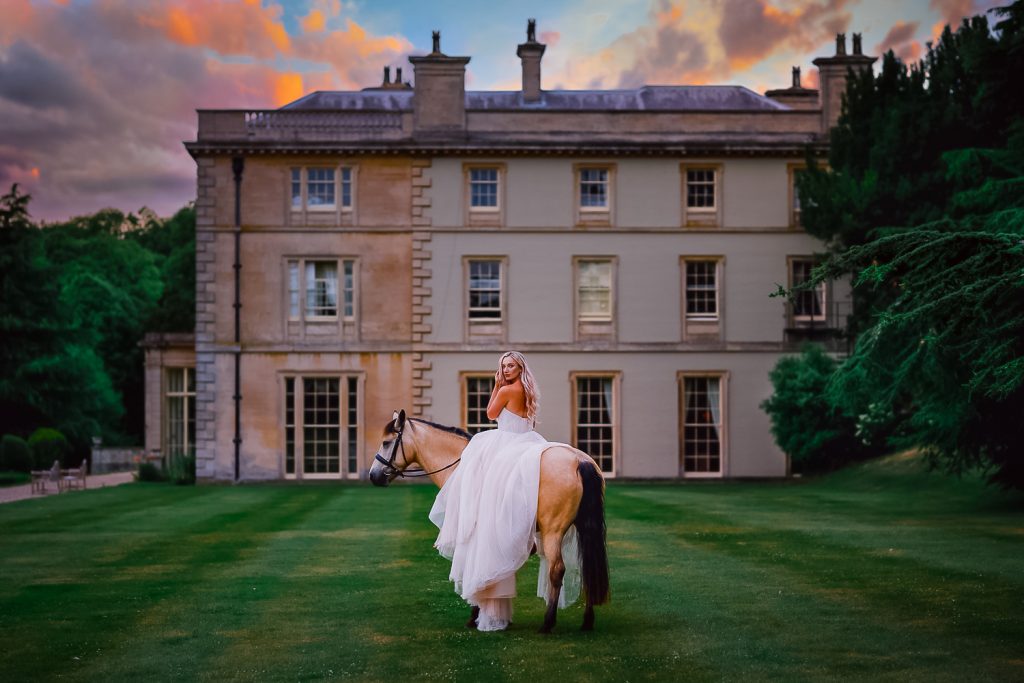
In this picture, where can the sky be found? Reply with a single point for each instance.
(97, 96)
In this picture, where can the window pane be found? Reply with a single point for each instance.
(289, 425)
(346, 187)
(594, 423)
(700, 188)
(594, 188)
(595, 293)
(321, 288)
(701, 289)
(483, 187)
(702, 424)
(348, 289)
(807, 304)
(352, 425)
(321, 427)
(296, 188)
(485, 290)
(320, 187)
(478, 393)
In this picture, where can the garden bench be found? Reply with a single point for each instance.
(40, 477)
(74, 478)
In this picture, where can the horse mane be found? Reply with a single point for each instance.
(461, 433)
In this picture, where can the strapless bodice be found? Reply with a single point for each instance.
(510, 422)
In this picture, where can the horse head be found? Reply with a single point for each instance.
(396, 452)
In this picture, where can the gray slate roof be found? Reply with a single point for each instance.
(647, 98)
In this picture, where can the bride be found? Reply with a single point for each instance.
(487, 509)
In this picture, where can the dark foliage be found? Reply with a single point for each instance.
(923, 206)
(76, 299)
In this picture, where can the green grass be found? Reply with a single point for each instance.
(883, 572)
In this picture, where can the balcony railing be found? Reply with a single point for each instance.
(828, 329)
(299, 126)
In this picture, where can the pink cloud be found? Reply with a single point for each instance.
(104, 127)
(900, 39)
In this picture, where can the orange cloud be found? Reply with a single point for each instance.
(287, 88)
(229, 28)
(314, 22)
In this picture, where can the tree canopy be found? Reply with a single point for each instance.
(76, 299)
(923, 206)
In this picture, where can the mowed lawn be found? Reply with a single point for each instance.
(884, 572)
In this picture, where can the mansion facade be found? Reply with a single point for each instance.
(362, 252)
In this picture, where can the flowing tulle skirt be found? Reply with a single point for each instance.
(487, 515)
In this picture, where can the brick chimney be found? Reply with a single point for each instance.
(832, 76)
(796, 96)
(530, 53)
(439, 94)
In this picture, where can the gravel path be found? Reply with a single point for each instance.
(11, 493)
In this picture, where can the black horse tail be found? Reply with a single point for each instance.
(591, 530)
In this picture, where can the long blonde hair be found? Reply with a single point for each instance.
(530, 391)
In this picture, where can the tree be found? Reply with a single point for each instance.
(930, 222)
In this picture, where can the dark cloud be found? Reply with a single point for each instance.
(29, 78)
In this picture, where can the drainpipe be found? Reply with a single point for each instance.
(237, 166)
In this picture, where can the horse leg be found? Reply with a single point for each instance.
(588, 616)
(556, 571)
(474, 614)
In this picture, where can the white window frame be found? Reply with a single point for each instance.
(615, 378)
(702, 216)
(500, 318)
(344, 178)
(713, 207)
(594, 216)
(722, 425)
(473, 168)
(346, 432)
(464, 380)
(716, 267)
(610, 262)
(187, 397)
(342, 290)
(821, 290)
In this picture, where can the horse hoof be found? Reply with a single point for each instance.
(587, 627)
(471, 624)
(544, 629)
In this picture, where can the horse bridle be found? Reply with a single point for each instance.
(389, 464)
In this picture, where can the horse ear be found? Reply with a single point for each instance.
(401, 420)
(394, 417)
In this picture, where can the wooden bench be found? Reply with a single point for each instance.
(40, 477)
(74, 478)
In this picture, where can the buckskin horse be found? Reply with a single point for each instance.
(571, 493)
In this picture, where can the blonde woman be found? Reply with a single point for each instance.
(487, 510)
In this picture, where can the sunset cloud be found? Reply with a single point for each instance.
(707, 41)
(96, 96)
(900, 39)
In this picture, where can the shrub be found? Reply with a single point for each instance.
(15, 455)
(181, 469)
(48, 445)
(150, 472)
(816, 434)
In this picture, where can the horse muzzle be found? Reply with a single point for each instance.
(379, 475)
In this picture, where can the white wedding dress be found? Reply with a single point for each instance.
(487, 514)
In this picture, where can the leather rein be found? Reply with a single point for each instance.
(390, 462)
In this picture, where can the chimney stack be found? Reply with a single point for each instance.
(439, 94)
(530, 53)
(832, 76)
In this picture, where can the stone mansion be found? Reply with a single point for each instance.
(361, 252)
